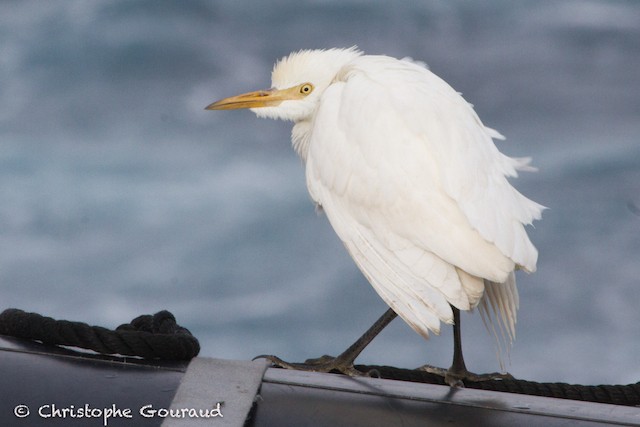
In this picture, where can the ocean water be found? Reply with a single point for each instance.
(120, 195)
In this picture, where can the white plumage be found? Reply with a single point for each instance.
(410, 180)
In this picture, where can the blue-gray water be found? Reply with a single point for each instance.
(120, 195)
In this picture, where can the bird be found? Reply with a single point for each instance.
(414, 186)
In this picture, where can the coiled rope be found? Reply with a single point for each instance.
(155, 336)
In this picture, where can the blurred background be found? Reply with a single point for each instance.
(120, 195)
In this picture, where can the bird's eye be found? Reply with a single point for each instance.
(306, 89)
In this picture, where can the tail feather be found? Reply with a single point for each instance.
(503, 301)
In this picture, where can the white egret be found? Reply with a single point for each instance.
(413, 185)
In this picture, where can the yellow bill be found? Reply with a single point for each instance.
(262, 98)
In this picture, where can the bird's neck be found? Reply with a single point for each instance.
(300, 138)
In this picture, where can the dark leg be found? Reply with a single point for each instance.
(344, 362)
(458, 372)
(457, 366)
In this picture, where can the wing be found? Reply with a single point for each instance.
(413, 185)
(471, 169)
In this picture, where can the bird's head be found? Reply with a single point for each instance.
(297, 84)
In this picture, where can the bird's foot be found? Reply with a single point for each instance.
(344, 362)
(456, 377)
(321, 364)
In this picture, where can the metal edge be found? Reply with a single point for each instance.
(214, 388)
(498, 401)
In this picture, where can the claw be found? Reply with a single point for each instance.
(457, 378)
(323, 364)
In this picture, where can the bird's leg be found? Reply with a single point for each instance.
(457, 373)
(344, 362)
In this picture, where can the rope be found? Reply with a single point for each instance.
(158, 336)
(628, 395)
(155, 336)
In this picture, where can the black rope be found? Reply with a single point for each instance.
(155, 336)
(158, 336)
(628, 395)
